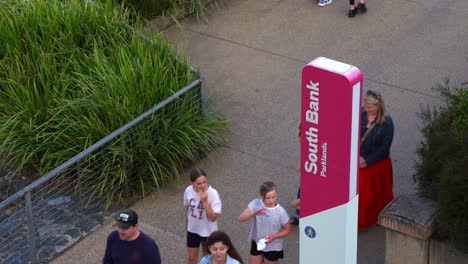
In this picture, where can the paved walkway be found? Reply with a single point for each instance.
(252, 53)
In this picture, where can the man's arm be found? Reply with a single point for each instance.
(107, 259)
(153, 255)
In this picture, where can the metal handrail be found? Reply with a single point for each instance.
(25, 193)
(96, 145)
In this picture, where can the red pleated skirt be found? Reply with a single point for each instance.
(375, 191)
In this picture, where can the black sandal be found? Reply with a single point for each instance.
(362, 8)
(352, 13)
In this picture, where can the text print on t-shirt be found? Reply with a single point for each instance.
(198, 209)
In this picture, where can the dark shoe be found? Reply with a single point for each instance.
(294, 220)
(362, 7)
(352, 13)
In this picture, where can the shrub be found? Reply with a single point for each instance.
(442, 171)
(72, 73)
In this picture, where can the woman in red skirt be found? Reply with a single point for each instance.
(375, 165)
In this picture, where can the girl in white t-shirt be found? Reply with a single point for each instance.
(270, 225)
(202, 209)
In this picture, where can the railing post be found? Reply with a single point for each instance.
(203, 96)
(125, 165)
(31, 231)
(78, 175)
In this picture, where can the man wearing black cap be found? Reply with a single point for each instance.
(128, 245)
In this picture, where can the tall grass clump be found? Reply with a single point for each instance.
(441, 173)
(172, 8)
(71, 73)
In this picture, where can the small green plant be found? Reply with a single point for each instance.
(442, 171)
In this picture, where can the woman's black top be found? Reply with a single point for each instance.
(377, 145)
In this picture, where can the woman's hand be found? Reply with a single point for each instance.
(269, 238)
(296, 203)
(285, 229)
(247, 214)
(362, 162)
(259, 211)
(203, 196)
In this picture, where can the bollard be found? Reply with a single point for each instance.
(409, 221)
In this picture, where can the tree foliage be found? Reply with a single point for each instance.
(442, 171)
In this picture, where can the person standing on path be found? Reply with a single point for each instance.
(129, 245)
(270, 225)
(202, 209)
(375, 165)
(296, 203)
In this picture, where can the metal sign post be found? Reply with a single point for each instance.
(330, 116)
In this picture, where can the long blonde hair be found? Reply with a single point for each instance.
(375, 98)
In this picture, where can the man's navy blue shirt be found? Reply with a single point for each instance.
(142, 250)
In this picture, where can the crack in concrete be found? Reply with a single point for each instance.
(302, 61)
(261, 158)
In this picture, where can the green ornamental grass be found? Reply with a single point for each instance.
(71, 73)
(171, 8)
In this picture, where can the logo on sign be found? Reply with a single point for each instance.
(310, 232)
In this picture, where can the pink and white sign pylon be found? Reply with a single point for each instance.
(330, 118)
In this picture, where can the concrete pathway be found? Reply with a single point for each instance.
(252, 53)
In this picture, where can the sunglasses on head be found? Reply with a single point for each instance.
(122, 218)
(373, 94)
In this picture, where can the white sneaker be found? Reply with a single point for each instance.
(324, 2)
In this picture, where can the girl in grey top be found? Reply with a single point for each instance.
(270, 225)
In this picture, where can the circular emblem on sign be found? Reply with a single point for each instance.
(310, 232)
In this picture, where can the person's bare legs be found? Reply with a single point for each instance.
(192, 255)
(203, 245)
(266, 261)
(352, 9)
(256, 259)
